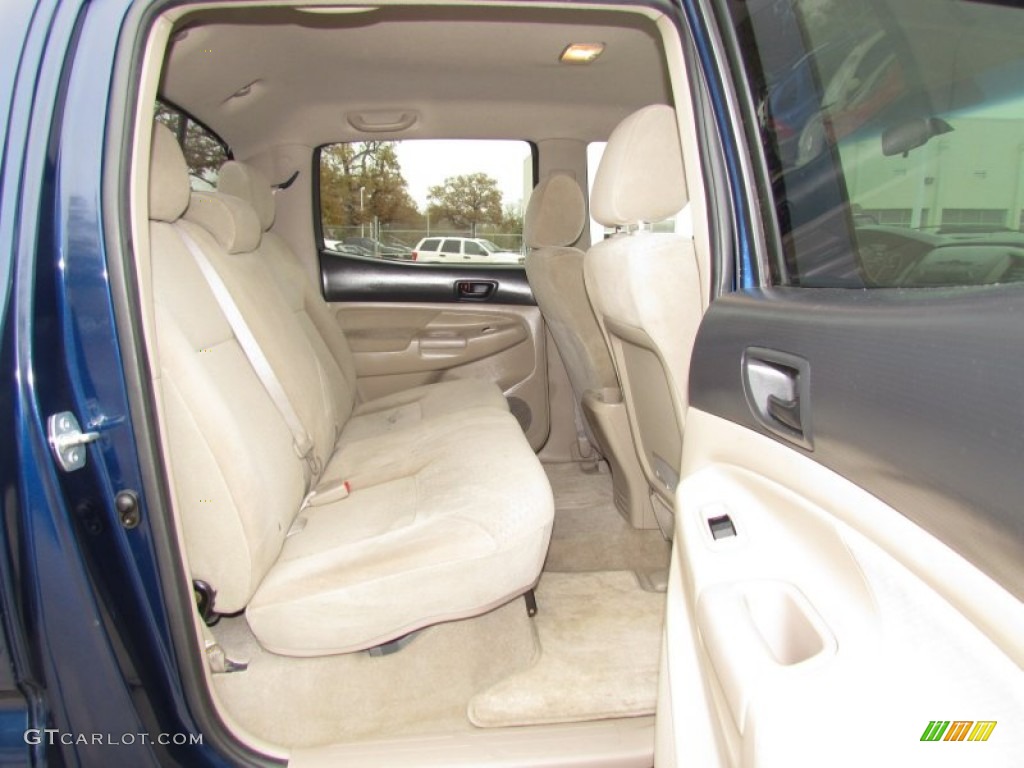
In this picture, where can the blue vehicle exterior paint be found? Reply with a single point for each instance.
(699, 15)
(76, 665)
(89, 642)
(93, 645)
(23, 36)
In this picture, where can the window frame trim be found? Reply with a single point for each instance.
(189, 116)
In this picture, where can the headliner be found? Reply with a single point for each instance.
(466, 71)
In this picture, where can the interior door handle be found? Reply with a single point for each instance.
(475, 290)
(777, 387)
(786, 411)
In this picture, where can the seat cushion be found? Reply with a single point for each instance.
(454, 522)
(412, 406)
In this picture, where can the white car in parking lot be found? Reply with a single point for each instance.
(463, 249)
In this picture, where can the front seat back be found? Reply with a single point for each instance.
(554, 221)
(645, 289)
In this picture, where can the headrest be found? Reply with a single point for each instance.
(641, 174)
(168, 176)
(246, 182)
(231, 220)
(557, 212)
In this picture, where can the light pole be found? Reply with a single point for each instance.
(362, 225)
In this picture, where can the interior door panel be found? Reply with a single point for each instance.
(846, 566)
(829, 629)
(358, 279)
(410, 324)
(397, 345)
(913, 395)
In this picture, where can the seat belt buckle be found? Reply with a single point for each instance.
(327, 494)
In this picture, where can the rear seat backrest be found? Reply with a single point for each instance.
(315, 387)
(237, 478)
(320, 325)
(398, 410)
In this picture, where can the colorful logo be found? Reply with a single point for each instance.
(958, 730)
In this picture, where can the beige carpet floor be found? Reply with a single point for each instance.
(599, 640)
(590, 534)
(424, 688)
(591, 652)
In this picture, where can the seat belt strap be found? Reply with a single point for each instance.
(584, 449)
(301, 440)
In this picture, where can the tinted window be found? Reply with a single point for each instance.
(450, 246)
(893, 132)
(430, 245)
(475, 249)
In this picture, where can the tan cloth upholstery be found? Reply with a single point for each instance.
(318, 320)
(645, 286)
(230, 220)
(443, 523)
(556, 214)
(641, 176)
(448, 515)
(554, 221)
(168, 179)
(246, 182)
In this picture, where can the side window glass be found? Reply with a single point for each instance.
(204, 151)
(410, 200)
(893, 137)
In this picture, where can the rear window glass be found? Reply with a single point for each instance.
(389, 197)
(204, 150)
(893, 131)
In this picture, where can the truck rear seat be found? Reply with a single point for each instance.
(448, 512)
(368, 417)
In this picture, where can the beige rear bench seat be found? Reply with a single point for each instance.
(460, 529)
(447, 517)
(369, 417)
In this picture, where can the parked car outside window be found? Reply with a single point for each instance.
(463, 250)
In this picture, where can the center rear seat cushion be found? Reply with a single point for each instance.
(448, 515)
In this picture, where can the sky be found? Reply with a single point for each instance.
(428, 163)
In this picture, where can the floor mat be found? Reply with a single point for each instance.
(599, 640)
(589, 532)
(424, 688)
